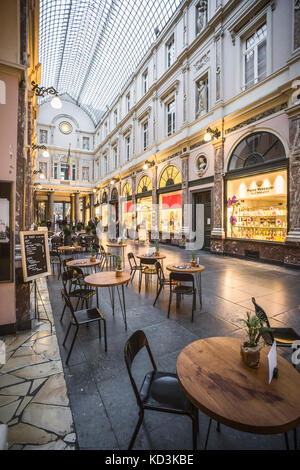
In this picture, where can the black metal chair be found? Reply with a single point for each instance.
(161, 281)
(284, 337)
(82, 317)
(134, 267)
(160, 391)
(73, 284)
(55, 260)
(108, 259)
(148, 269)
(181, 289)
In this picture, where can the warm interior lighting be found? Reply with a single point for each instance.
(56, 103)
(279, 185)
(112, 182)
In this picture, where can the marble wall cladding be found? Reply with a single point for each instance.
(33, 395)
(296, 24)
(294, 172)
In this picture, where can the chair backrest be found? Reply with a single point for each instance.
(182, 277)
(148, 260)
(159, 271)
(134, 344)
(70, 274)
(65, 261)
(69, 304)
(131, 259)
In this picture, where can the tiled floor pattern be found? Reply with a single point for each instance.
(102, 400)
(33, 395)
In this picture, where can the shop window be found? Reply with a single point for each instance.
(114, 195)
(255, 149)
(144, 217)
(144, 185)
(170, 212)
(170, 176)
(255, 56)
(257, 207)
(127, 190)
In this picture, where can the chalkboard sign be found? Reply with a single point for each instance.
(35, 255)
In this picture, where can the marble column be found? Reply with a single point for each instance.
(92, 206)
(84, 211)
(293, 113)
(51, 209)
(72, 211)
(185, 194)
(218, 233)
(76, 209)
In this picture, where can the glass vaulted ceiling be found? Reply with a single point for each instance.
(89, 48)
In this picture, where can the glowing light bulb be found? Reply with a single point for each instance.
(56, 103)
(145, 166)
(42, 176)
(207, 137)
(45, 153)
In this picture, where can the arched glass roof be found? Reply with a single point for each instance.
(89, 48)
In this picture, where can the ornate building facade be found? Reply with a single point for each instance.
(230, 67)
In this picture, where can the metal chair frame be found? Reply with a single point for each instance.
(180, 290)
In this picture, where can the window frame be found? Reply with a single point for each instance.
(127, 147)
(254, 47)
(145, 134)
(167, 104)
(85, 139)
(145, 81)
(170, 41)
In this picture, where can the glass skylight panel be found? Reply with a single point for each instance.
(89, 48)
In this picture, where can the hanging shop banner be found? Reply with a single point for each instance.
(35, 255)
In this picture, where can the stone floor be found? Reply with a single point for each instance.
(33, 395)
(101, 398)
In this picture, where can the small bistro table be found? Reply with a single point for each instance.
(110, 280)
(157, 257)
(213, 376)
(84, 263)
(195, 270)
(117, 245)
(70, 249)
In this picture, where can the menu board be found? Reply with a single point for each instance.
(35, 255)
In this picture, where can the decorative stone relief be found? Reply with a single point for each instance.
(295, 96)
(202, 61)
(201, 165)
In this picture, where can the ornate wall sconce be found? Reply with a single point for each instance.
(148, 164)
(42, 91)
(211, 134)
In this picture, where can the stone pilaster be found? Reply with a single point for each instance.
(51, 208)
(154, 200)
(92, 206)
(218, 233)
(185, 191)
(76, 208)
(293, 113)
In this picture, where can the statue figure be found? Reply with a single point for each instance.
(201, 19)
(202, 96)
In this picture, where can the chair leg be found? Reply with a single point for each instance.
(194, 305)
(63, 312)
(195, 432)
(158, 294)
(137, 428)
(140, 281)
(68, 357)
(207, 435)
(133, 274)
(68, 330)
(286, 441)
(218, 427)
(295, 439)
(170, 299)
(105, 337)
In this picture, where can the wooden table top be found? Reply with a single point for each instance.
(83, 263)
(116, 245)
(187, 269)
(151, 257)
(106, 279)
(216, 380)
(69, 248)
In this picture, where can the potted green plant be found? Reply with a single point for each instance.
(250, 348)
(119, 266)
(193, 261)
(156, 244)
(79, 226)
(88, 229)
(92, 251)
(67, 235)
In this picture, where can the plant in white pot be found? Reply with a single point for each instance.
(119, 266)
(250, 348)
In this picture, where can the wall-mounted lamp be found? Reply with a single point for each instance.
(41, 147)
(39, 172)
(148, 164)
(115, 180)
(211, 134)
(42, 91)
(37, 186)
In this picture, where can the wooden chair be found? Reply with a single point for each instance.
(160, 391)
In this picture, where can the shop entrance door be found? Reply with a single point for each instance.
(204, 198)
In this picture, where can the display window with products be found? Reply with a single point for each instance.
(104, 211)
(257, 207)
(170, 212)
(144, 213)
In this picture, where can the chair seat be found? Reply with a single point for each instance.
(161, 390)
(285, 335)
(83, 292)
(89, 315)
(183, 290)
(149, 270)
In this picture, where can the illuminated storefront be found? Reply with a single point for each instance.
(256, 201)
(127, 213)
(144, 207)
(104, 211)
(170, 202)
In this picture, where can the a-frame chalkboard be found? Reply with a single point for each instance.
(35, 255)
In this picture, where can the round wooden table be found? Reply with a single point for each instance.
(213, 376)
(69, 248)
(117, 245)
(157, 257)
(111, 281)
(83, 263)
(195, 270)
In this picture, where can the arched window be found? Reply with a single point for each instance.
(104, 198)
(144, 185)
(170, 176)
(255, 149)
(127, 190)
